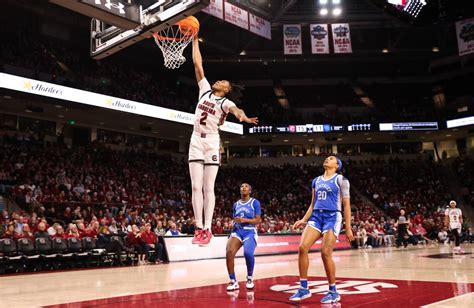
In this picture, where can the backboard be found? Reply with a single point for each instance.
(117, 24)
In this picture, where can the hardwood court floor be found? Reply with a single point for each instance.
(387, 277)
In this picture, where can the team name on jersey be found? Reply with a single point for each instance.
(207, 107)
(323, 185)
(243, 209)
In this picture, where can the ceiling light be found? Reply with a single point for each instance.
(435, 49)
(310, 140)
(323, 1)
(201, 40)
(243, 53)
(58, 106)
(385, 50)
(7, 96)
(323, 12)
(448, 135)
(28, 110)
(286, 140)
(226, 142)
(336, 1)
(337, 11)
(368, 139)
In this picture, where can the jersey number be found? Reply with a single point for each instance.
(322, 195)
(203, 118)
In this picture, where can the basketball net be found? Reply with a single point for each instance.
(172, 42)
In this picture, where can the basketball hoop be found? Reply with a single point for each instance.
(173, 40)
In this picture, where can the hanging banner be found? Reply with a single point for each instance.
(341, 35)
(292, 40)
(260, 26)
(319, 38)
(236, 15)
(215, 8)
(465, 35)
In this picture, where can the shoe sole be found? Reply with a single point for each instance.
(235, 289)
(332, 301)
(250, 288)
(301, 298)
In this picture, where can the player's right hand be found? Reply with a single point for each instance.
(299, 224)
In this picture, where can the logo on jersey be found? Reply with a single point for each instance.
(343, 287)
(214, 157)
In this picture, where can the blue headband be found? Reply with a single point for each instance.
(339, 162)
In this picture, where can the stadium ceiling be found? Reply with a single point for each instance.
(373, 29)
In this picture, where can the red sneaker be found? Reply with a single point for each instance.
(197, 236)
(206, 237)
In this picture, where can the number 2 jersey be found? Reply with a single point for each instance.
(248, 210)
(328, 193)
(454, 215)
(211, 111)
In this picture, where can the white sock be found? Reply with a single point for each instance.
(210, 174)
(196, 170)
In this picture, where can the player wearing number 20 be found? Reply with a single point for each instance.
(330, 192)
(204, 148)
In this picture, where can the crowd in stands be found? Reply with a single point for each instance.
(98, 192)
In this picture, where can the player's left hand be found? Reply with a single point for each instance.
(349, 235)
(253, 121)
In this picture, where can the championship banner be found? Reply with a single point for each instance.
(260, 26)
(292, 40)
(236, 15)
(215, 8)
(341, 35)
(319, 39)
(465, 36)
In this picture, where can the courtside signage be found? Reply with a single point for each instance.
(42, 88)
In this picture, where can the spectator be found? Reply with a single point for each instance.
(173, 231)
(134, 240)
(41, 233)
(151, 243)
(159, 230)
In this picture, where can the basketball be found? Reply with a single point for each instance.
(189, 26)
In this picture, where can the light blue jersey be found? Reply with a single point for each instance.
(328, 193)
(248, 210)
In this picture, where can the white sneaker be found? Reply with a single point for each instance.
(232, 286)
(250, 284)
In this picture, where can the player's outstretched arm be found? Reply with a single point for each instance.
(197, 60)
(241, 116)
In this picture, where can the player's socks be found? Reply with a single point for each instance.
(304, 283)
(332, 287)
(232, 277)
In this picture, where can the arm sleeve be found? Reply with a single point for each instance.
(345, 186)
(258, 209)
(204, 87)
(227, 104)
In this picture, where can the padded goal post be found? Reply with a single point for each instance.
(117, 24)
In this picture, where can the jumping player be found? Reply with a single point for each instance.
(323, 218)
(247, 214)
(453, 219)
(204, 154)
